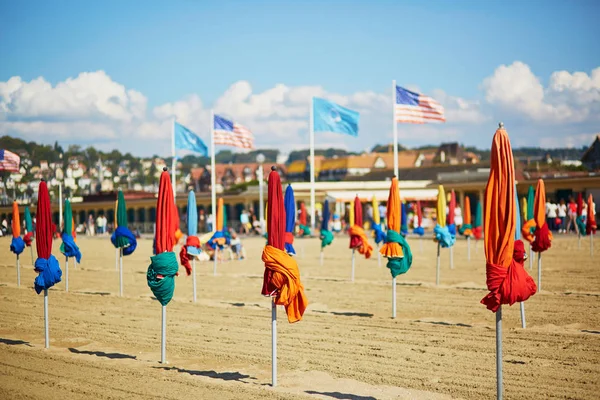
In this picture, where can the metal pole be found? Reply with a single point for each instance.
(261, 198)
(46, 330)
(539, 287)
(60, 208)
(530, 257)
(393, 297)
(121, 272)
(173, 161)
(437, 269)
(452, 257)
(31, 251)
(18, 271)
(378, 257)
(469, 248)
(273, 343)
(163, 337)
(499, 353)
(194, 276)
(523, 323)
(117, 259)
(352, 275)
(312, 165)
(67, 274)
(395, 125)
(215, 256)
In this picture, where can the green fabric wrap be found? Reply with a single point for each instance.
(530, 203)
(399, 266)
(464, 227)
(164, 264)
(326, 238)
(305, 230)
(580, 225)
(121, 241)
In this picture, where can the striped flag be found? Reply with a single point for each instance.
(416, 108)
(231, 134)
(9, 161)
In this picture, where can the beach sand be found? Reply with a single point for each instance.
(442, 345)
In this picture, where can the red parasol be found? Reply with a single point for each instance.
(590, 225)
(302, 217)
(543, 236)
(451, 208)
(579, 204)
(419, 214)
(43, 228)
(167, 220)
(358, 237)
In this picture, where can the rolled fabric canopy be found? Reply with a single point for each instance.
(543, 236)
(441, 232)
(290, 220)
(325, 235)
(17, 244)
(46, 265)
(396, 249)
(590, 226)
(418, 230)
(466, 228)
(122, 237)
(507, 280)
(358, 237)
(68, 247)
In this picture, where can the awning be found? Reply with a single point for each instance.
(382, 195)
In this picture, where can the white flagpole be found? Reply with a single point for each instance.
(499, 390)
(46, 328)
(173, 162)
(121, 272)
(67, 274)
(213, 185)
(194, 276)
(312, 164)
(395, 141)
(60, 210)
(437, 267)
(18, 271)
(163, 336)
(273, 342)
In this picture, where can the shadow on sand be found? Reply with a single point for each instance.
(113, 356)
(341, 396)
(11, 342)
(225, 376)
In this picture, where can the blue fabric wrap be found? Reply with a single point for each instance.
(193, 250)
(379, 233)
(69, 248)
(192, 215)
(122, 231)
(49, 273)
(17, 245)
(452, 229)
(443, 236)
(419, 230)
(219, 235)
(289, 248)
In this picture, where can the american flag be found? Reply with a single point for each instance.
(231, 134)
(9, 161)
(416, 108)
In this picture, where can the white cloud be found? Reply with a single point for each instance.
(569, 98)
(93, 109)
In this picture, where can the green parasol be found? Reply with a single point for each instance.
(68, 226)
(530, 203)
(121, 241)
(28, 224)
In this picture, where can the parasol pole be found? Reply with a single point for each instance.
(312, 165)
(273, 342)
(378, 256)
(530, 256)
(120, 272)
(46, 330)
(452, 257)
(67, 274)
(499, 353)
(352, 275)
(394, 297)
(539, 285)
(194, 276)
(395, 126)
(31, 251)
(213, 185)
(469, 248)
(117, 259)
(163, 337)
(18, 271)
(437, 270)
(60, 209)
(523, 323)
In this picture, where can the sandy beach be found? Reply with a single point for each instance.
(441, 346)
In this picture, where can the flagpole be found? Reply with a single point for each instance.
(213, 176)
(395, 125)
(312, 164)
(173, 162)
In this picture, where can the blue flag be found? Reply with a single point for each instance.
(188, 140)
(331, 117)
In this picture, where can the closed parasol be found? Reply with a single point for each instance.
(290, 220)
(17, 244)
(478, 224)
(68, 247)
(378, 233)
(451, 214)
(325, 235)
(122, 237)
(528, 228)
(302, 221)
(466, 229)
(581, 227)
(191, 248)
(358, 238)
(419, 230)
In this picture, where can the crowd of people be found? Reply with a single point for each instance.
(561, 216)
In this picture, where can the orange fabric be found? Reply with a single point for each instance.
(220, 214)
(539, 206)
(16, 220)
(591, 225)
(526, 230)
(467, 207)
(285, 276)
(499, 213)
(393, 250)
(506, 279)
(363, 247)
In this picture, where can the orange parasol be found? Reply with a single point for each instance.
(358, 237)
(543, 236)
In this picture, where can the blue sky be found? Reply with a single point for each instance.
(169, 51)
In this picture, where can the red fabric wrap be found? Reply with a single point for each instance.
(355, 241)
(288, 238)
(542, 241)
(478, 232)
(509, 285)
(28, 238)
(192, 241)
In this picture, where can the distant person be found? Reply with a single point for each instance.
(236, 245)
(562, 215)
(209, 222)
(91, 226)
(572, 214)
(551, 215)
(245, 222)
(202, 221)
